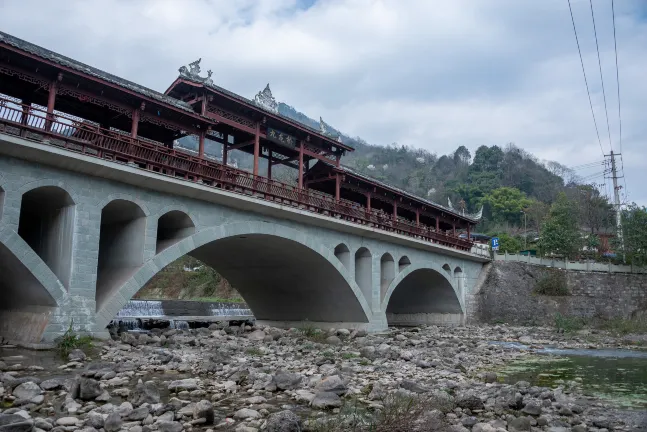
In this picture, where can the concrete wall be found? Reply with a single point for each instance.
(507, 295)
(280, 258)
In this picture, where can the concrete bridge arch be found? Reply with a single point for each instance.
(310, 283)
(424, 293)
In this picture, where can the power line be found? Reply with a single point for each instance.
(615, 47)
(577, 40)
(604, 95)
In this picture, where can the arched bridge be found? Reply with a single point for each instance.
(79, 236)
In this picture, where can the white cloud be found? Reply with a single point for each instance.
(428, 74)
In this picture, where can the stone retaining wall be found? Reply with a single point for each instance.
(507, 295)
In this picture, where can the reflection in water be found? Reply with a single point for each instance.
(621, 380)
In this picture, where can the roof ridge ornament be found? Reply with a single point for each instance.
(193, 72)
(475, 216)
(265, 100)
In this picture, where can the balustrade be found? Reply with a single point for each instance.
(88, 138)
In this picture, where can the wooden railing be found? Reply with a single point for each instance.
(87, 138)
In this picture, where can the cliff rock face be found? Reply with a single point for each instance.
(510, 294)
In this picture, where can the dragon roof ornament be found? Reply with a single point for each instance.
(475, 216)
(327, 130)
(265, 100)
(193, 72)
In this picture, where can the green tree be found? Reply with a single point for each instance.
(560, 233)
(506, 203)
(634, 231)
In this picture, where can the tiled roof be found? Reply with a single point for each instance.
(404, 193)
(89, 70)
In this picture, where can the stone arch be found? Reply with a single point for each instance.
(404, 263)
(423, 294)
(364, 272)
(29, 291)
(172, 227)
(343, 255)
(387, 273)
(46, 223)
(124, 197)
(447, 268)
(343, 300)
(122, 236)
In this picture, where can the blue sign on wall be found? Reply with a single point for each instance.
(495, 243)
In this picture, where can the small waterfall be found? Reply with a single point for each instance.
(142, 315)
(142, 308)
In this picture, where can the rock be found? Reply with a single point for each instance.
(170, 426)
(138, 414)
(532, 408)
(377, 392)
(184, 384)
(246, 413)
(76, 355)
(204, 410)
(287, 380)
(26, 391)
(103, 397)
(257, 335)
(333, 384)
(368, 352)
(283, 421)
(579, 428)
(441, 400)
(483, 427)
(565, 411)
(470, 402)
(68, 421)
(95, 420)
(128, 338)
(113, 422)
(333, 340)
(89, 389)
(255, 400)
(490, 377)
(469, 421)
(52, 384)
(413, 386)
(42, 424)
(144, 393)
(326, 400)
(15, 423)
(519, 424)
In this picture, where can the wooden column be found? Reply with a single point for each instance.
(301, 165)
(368, 202)
(469, 237)
(201, 145)
(454, 229)
(26, 106)
(135, 123)
(225, 152)
(395, 210)
(337, 187)
(203, 107)
(257, 147)
(51, 101)
(417, 217)
(269, 164)
(337, 159)
(437, 224)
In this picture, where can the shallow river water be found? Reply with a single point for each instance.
(618, 376)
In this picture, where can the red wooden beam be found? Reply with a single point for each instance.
(301, 151)
(257, 145)
(240, 145)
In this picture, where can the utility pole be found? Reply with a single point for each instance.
(616, 198)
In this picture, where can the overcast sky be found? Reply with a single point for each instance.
(426, 73)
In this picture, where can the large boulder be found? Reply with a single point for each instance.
(333, 384)
(113, 422)
(287, 380)
(15, 423)
(89, 389)
(144, 393)
(26, 391)
(204, 409)
(470, 402)
(257, 335)
(184, 384)
(325, 400)
(283, 421)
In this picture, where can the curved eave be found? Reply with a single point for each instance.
(404, 194)
(92, 77)
(250, 105)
